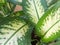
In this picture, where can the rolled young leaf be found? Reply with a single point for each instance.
(49, 24)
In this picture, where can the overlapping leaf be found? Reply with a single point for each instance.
(49, 24)
(15, 31)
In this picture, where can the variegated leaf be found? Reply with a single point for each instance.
(49, 24)
(6, 9)
(15, 31)
(34, 9)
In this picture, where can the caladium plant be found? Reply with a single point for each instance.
(40, 18)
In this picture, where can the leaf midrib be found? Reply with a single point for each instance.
(36, 9)
(14, 34)
(50, 27)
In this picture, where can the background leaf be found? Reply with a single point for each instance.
(6, 9)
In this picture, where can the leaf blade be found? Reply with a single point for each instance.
(34, 9)
(49, 24)
(10, 33)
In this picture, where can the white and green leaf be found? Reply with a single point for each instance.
(49, 24)
(6, 9)
(15, 31)
(34, 9)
